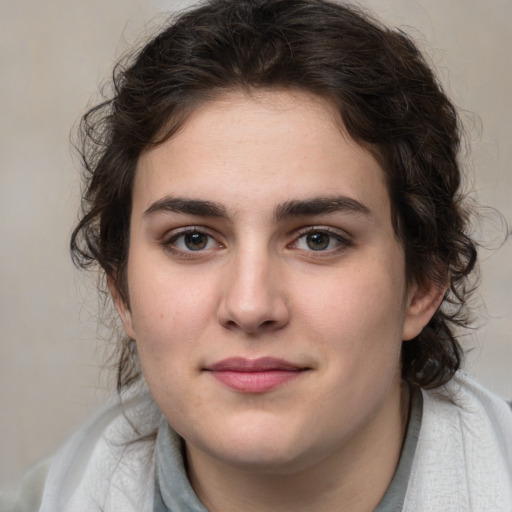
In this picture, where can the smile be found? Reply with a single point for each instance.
(254, 376)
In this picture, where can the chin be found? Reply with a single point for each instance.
(269, 448)
(264, 459)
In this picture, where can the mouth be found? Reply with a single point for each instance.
(255, 375)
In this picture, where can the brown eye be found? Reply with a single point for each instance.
(195, 241)
(191, 240)
(321, 241)
(318, 241)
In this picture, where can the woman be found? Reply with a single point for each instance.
(273, 195)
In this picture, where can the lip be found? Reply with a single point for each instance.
(254, 375)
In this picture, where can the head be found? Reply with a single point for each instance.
(385, 97)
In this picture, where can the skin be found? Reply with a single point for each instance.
(323, 290)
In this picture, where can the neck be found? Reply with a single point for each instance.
(354, 478)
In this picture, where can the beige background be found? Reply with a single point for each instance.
(53, 55)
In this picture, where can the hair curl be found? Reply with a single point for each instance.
(387, 96)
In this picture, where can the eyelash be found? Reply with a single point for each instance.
(342, 242)
(170, 242)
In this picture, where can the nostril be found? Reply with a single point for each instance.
(252, 327)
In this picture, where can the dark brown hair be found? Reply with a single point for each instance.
(389, 101)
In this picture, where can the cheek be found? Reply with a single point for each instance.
(356, 321)
(169, 310)
(360, 304)
(168, 325)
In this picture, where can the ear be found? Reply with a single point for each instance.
(422, 303)
(123, 310)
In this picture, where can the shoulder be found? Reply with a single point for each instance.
(463, 459)
(108, 464)
(476, 409)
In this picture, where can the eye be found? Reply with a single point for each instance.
(319, 240)
(192, 241)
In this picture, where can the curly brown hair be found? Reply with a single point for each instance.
(390, 102)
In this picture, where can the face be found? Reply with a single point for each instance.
(267, 291)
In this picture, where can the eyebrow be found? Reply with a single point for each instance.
(187, 206)
(289, 209)
(319, 206)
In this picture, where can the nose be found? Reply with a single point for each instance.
(253, 297)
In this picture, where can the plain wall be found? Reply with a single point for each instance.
(53, 55)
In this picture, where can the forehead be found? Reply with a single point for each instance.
(250, 150)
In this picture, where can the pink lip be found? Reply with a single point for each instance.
(254, 376)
